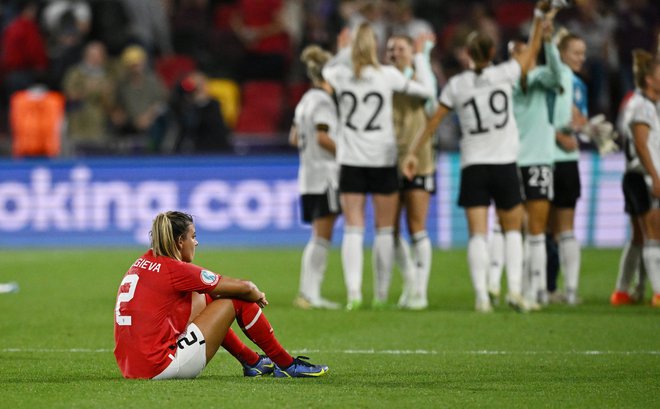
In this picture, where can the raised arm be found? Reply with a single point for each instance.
(527, 58)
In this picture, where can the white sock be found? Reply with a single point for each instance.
(628, 266)
(514, 261)
(569, 259)
(423, 253)
(315, 261)
(383, 258)
(496, 252)
(537, 264)
(405, 264)
(477, 253)
(352, 255)
(651, 254)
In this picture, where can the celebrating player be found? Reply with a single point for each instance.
(410, 115)
(314, 132)
(489, 148)
(641, 181)
(172, 316)
(367, 156)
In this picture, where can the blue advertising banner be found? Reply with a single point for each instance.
(236, 201)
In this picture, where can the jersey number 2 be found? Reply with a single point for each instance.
(131, 280)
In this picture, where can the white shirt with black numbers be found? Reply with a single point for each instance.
(318, 168)
(485, 111)
(366, 136)
(641, 110)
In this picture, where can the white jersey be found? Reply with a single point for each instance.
(489, 134)
(641, 110)
(366, 136)
(318, 169)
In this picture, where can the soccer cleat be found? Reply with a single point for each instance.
(300, 368)
(494, 297)
(6, 288)
(655, 303)
(556, 297)
(572, 298)
(519, 304)
(302, 303)
(620, 298)
(483, 306)
(324, 304)
(417, 303)
(354, 305)
(264, 366)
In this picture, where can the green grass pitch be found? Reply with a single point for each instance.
(56, 342)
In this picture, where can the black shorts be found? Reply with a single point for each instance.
(358, 179)
(537, 182)
(419, 182)
(315, 206)
(637, 195)
(567, 184)
(481, 183)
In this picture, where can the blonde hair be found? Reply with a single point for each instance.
(643, 64)
(166, 229)
(364, 49)
(315, 58)
(564, 37)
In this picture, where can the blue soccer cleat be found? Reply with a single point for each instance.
(300, 368)
(264, 366)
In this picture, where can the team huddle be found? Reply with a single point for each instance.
(365, 129)
(520, 129)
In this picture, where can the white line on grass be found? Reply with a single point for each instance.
(367, 351)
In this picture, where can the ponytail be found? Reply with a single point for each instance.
(364, 49)
(166, 229)
(315, 58)
(480, 48)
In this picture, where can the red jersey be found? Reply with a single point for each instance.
(152, 310)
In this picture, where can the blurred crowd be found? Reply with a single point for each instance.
(204, 76)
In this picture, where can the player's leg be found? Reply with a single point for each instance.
(383, 247)
(496, 255)
(315, 260)
(352, 253)
(511, 221)
(537, 220)
(629, 264)
(569, 252)
(402, 257)
(417, 205)
(477, 219)
(651, 251)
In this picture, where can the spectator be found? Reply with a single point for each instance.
(149, 25)
(89, 89)
(404, 22)
(24, 59)
(201, 126)
(260, 27)
(141, 100)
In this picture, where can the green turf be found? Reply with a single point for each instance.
(56, 342)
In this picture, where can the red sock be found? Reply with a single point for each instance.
(258, 329)
(233, 344)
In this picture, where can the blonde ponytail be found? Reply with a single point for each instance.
(315, 58)
(364, 49)
(166, 229)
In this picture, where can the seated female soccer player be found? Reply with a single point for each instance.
(172, 316)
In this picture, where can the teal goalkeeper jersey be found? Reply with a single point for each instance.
(530, 108)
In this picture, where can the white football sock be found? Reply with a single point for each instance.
(352, 255)
(651, 254)
(496, 253)
(423, 253)
(569, 259)
(537, 265)
(514, 261)
(405, 264)
(382, 260)
(628, 266)
(315, 261)
(477, 253)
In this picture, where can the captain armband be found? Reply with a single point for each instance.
(322, 127)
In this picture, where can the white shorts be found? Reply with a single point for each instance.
(190, 357)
